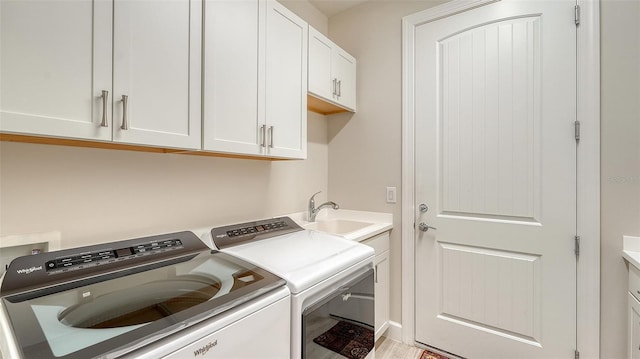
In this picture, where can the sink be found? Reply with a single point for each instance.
(337, 226)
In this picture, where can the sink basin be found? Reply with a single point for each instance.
(337, 226)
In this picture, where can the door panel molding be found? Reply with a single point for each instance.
(588, 163)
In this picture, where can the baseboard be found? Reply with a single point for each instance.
(394, 332)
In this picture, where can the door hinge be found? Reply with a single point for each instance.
(577, 354)
(577, 130)
(577, 245)
(577, 14)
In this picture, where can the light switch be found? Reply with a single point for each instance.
(391, 195)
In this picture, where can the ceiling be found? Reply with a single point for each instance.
(333, 7)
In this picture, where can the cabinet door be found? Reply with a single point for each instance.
(157, 65)
(382, 293)
(231, 77)
(55, 60)
(321, 83)
(285, 82)
(633, 327)
(344, 69)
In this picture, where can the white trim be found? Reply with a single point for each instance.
(588, 195)
(394, 332)
(408, 189)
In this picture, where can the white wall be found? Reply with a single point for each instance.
(365, 148)
(620, 169)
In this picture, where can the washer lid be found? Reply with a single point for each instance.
(303, 258)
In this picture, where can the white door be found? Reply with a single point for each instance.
(231, 119)
(285, 82)
(55, 61)
(495, 105)
(157, 66)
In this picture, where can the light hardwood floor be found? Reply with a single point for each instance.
(390, 349)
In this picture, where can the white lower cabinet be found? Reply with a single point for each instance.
(634, 328)
(634, 313)
(380, 244)
(255, 79)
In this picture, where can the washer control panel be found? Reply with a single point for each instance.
(51, 268)
(87, 259)
(252, 231)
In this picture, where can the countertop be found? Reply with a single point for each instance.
(631, 250)
(372, 223)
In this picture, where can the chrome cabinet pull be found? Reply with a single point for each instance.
(376, 271)
(105, 97)
(271, 136)
(263, 131)
(335, 81)
(339, 88)
(125, 120)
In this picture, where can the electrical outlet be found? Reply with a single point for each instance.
(391, 195)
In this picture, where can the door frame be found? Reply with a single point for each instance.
(588, 168)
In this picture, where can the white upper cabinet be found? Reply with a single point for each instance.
(57, 70)
(255, 79)
(55, 60)
(344, 70)
(332, 72)
(285, 83)
(157, 66)
(320, 80)
(230, 100)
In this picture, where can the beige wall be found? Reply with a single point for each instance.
(309, 13)
(620, 169)
(95, 195)
(365, 148)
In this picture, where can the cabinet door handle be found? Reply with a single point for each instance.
(271, 136)
(335, 80)
(263, 131)
(376, 272)
(125, 119)
(339, 88)
(105, 97)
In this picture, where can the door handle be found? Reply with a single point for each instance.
(425, 227)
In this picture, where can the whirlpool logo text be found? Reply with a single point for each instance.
(29, 270)
(205, 349)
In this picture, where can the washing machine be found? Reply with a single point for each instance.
(165, 296)
(331, 280)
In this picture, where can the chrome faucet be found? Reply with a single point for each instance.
(313, 211)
